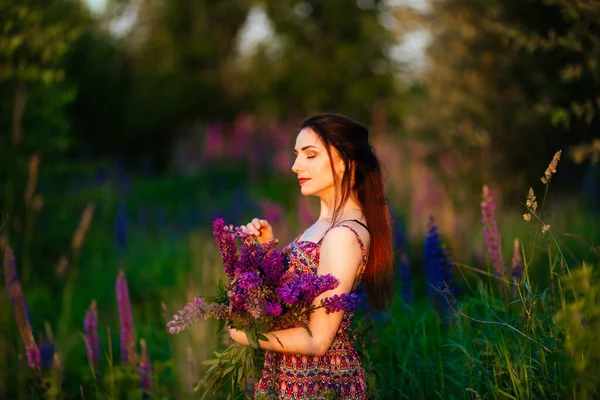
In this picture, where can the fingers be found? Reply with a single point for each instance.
(255, 226)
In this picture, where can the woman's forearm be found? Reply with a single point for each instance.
(290, 341)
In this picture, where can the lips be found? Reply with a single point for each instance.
(302, 180)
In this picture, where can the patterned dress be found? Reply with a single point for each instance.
(336, 375)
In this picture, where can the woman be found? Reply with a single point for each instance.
(335, 162)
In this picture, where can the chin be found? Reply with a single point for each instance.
(306, 192)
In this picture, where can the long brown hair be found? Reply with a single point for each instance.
(362, 177)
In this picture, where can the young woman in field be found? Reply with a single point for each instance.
(351, 240)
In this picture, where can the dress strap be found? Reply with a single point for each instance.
(357, 221)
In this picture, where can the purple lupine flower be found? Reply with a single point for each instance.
(438, 269)
(145, 368)
(191, 313)
(274, 309)
(15, 293)
(47, 348)
(517, 266)
(249, 281)
(273, 267)
(213, 145)
(242, 130)
(490, 231)
(406, 282)
(250, 255)
(341, 302)
(227, 246)
(90, 326)
(128, 355)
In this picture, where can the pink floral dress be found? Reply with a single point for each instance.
(336, 375)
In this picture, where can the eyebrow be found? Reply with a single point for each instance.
(304, 148)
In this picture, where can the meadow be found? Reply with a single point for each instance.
(518, 318)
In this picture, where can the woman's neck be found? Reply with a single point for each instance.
(350, 210)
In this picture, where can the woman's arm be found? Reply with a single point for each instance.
(340, 256)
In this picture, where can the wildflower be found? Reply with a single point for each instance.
(227, 247)
(342, 302)
(490, 232)
(438, 270)
(84, 224)
(517, 266)
(47, 347)
(527, 217)
(145, 368)
(551, 168)
(545, 228)
(191, 313)
(90, 326)
(62, 265)
(15, 292)
(531, 202)
(128, 355)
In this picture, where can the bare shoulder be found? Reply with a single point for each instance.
(342, 242)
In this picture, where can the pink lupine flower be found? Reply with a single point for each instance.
(90, 326)
(145, 370)
(15, 292)
(517, 266)
(128, 355)
(490, 231)
(213, 145)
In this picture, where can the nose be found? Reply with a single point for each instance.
(296, 167)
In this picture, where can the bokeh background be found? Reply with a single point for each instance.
(128, 126)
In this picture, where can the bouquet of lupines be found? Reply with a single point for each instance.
(260, 296)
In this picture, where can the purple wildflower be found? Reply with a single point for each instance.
(517, 266)
(273, 309)
(191, 313)
(90, 326)
(303, 289)
(227, 247)
(128, 355)
(438, 269)
(47, 348)
(274, 268)
(145, 368)
(15, 292)
(490, 231)
(249, 281)
(342, 302)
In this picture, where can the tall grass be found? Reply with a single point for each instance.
(537, 340)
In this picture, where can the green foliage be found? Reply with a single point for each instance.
(326, 56)
(579, 322)
(498, 86)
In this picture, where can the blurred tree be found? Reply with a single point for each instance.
(326, 56)
(34, 95)
(179, 51)
(488, 92)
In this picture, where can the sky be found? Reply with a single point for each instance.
(257, 29)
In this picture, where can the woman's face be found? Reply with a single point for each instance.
(313, 165)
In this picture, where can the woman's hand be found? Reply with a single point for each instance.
(238, 336)
(261, 229)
